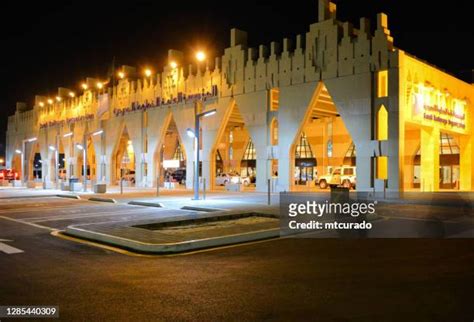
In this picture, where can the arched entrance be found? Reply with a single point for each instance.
(91, 161)
(323, 152)
(171, 157)
(124, 160)
(234, 154)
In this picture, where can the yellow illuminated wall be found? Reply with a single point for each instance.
(382, 83)
(382, 124)
(431, 103)
(382, 168)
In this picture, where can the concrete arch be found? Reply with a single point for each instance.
(116, 147)
(253, 109)
(304, 121)
(230, 114)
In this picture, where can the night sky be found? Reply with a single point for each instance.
(46, 44)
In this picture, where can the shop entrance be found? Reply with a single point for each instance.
(172, 158)
(234, 155)
(305, 162)
(322, 146)
(449, 166)
(448, 162)
(125, 160)
(91, 165)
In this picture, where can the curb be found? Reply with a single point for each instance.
(28, 197)
(146, 204)
(203, 209)
(166, 246)
(102, 199)
(170, 248)
(69, 196)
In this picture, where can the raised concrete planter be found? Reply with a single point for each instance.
(4, 183)
(100, 188)
(202, 209)
(64, 186)
(131, 235)
(233, 187)
(69, 196)
(75, 186)
(146, 204)
(49, 185)
(31, 184)
(98, 199)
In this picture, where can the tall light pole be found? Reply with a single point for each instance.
(195, 134)
(83, 147)
(22, 153)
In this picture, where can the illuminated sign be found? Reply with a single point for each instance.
(71, 120)
(181, 98)
(453, 117)
(170, 164)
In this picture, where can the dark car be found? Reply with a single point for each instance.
(179, 176)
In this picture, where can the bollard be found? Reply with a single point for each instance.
(203, 188)
(121, 185)
(158, 186)
(269, 184)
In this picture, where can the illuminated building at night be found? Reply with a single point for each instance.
(290, 112)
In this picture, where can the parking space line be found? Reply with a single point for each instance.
(28, 223)
(91, 215)
(35, 209)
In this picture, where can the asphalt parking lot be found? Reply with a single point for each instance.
(283, 279)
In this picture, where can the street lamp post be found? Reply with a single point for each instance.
(195, 134)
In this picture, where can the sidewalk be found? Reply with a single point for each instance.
(214, 198)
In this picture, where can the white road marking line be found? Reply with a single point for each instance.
(32, 209)
(96, 214)
(7, 249)
(28, 223)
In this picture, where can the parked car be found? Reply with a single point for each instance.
(223, 178)
(179, 176)
(344, 176)
(9, 175)
(129, 175)
(246, 181)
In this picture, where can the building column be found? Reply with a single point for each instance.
(259, 135)
(429, 141)
(365, 152)
(284, 167)
(136, 139)
(209, 137)
(466, 161)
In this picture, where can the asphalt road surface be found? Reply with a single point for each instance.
(285, 279)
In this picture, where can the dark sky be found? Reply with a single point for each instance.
(46, 44)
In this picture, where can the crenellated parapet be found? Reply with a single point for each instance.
(329, 49)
